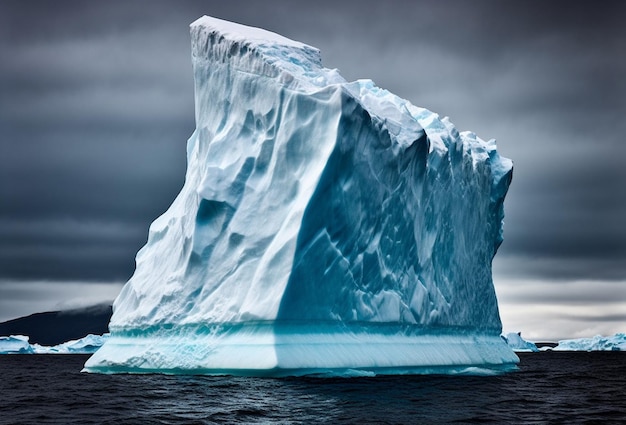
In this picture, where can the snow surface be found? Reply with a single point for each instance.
(615, 342)
(18, 344)
(519, 344)
(323, 226)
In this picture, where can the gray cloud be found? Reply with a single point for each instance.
(39, 296)
(572, 292)
(600, 318)
(543, 309)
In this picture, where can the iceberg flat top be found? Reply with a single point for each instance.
(244, 33)
(264, 53)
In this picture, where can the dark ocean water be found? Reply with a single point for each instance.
(550, 387)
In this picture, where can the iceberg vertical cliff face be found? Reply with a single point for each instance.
(323, 226)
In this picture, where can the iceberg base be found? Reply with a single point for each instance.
(274, 350)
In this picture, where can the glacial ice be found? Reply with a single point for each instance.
(19, 344)
(519, 344)
(15, 344)
(615, 342)
(88, 344)
(324, 226)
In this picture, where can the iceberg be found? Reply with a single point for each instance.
(89, 344)
(15, 344)
(324, 227)
(19, 344)
(615, 342)
(519, 344)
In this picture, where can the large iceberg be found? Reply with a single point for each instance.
(324, 226)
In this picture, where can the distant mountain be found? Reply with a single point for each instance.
(56, 327)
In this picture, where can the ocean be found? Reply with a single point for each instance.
(549, 387)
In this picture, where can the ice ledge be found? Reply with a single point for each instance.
(244, 34)
(292, 350)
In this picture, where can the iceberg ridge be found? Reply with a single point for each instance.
(323, 225)
(615, 342)
(19, 344)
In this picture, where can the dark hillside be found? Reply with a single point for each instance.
(56, 327)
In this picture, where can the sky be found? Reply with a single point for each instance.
(96, 105)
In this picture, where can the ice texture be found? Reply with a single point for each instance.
(519, 344)
(19, 344)
(615, 342)
(323, 226)
(15, 344)
(88, 344)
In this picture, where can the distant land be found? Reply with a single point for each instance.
(57, 327)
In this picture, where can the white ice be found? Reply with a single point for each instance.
(15, 344)
(19, 344)
(87, 345)
(615, 342)
(519, 344)
(323, 226)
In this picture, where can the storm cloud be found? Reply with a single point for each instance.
(96, 105)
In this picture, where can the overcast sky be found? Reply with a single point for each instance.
(96, 105)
